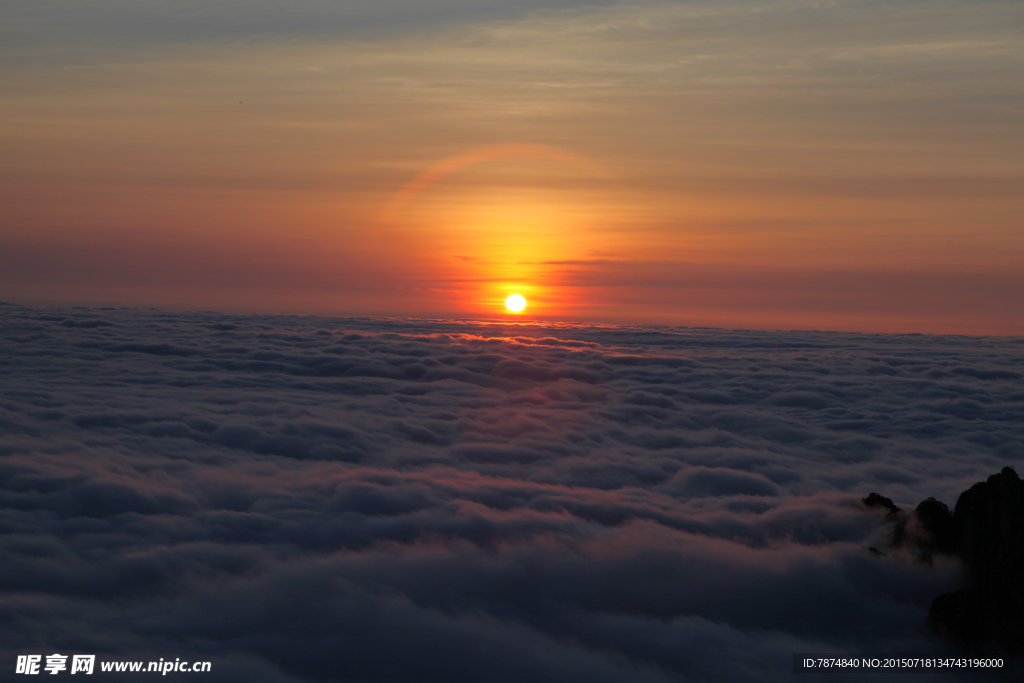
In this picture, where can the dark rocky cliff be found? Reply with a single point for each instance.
(988, 535)
(986, 531)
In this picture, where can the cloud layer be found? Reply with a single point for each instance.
(305, 499)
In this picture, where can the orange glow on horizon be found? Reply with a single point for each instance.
(498, 237)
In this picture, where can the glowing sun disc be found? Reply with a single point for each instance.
(515, 303)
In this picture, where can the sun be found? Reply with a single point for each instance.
(515, 303)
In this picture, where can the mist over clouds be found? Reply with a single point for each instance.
(306, 499)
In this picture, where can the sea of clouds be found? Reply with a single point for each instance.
(301, 499)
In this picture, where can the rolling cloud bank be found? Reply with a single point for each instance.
(301, 499)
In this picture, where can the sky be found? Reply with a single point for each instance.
(844, 165)
(298, 499)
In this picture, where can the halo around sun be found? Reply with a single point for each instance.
(515, 303)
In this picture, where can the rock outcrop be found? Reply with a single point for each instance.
(937, 528)
(986, 531)
(988, 535)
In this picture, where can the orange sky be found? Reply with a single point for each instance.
(847, 165)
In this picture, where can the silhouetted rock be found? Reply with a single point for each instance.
(987, 533)
(874, 500)
(936, 531)
(898, 536)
